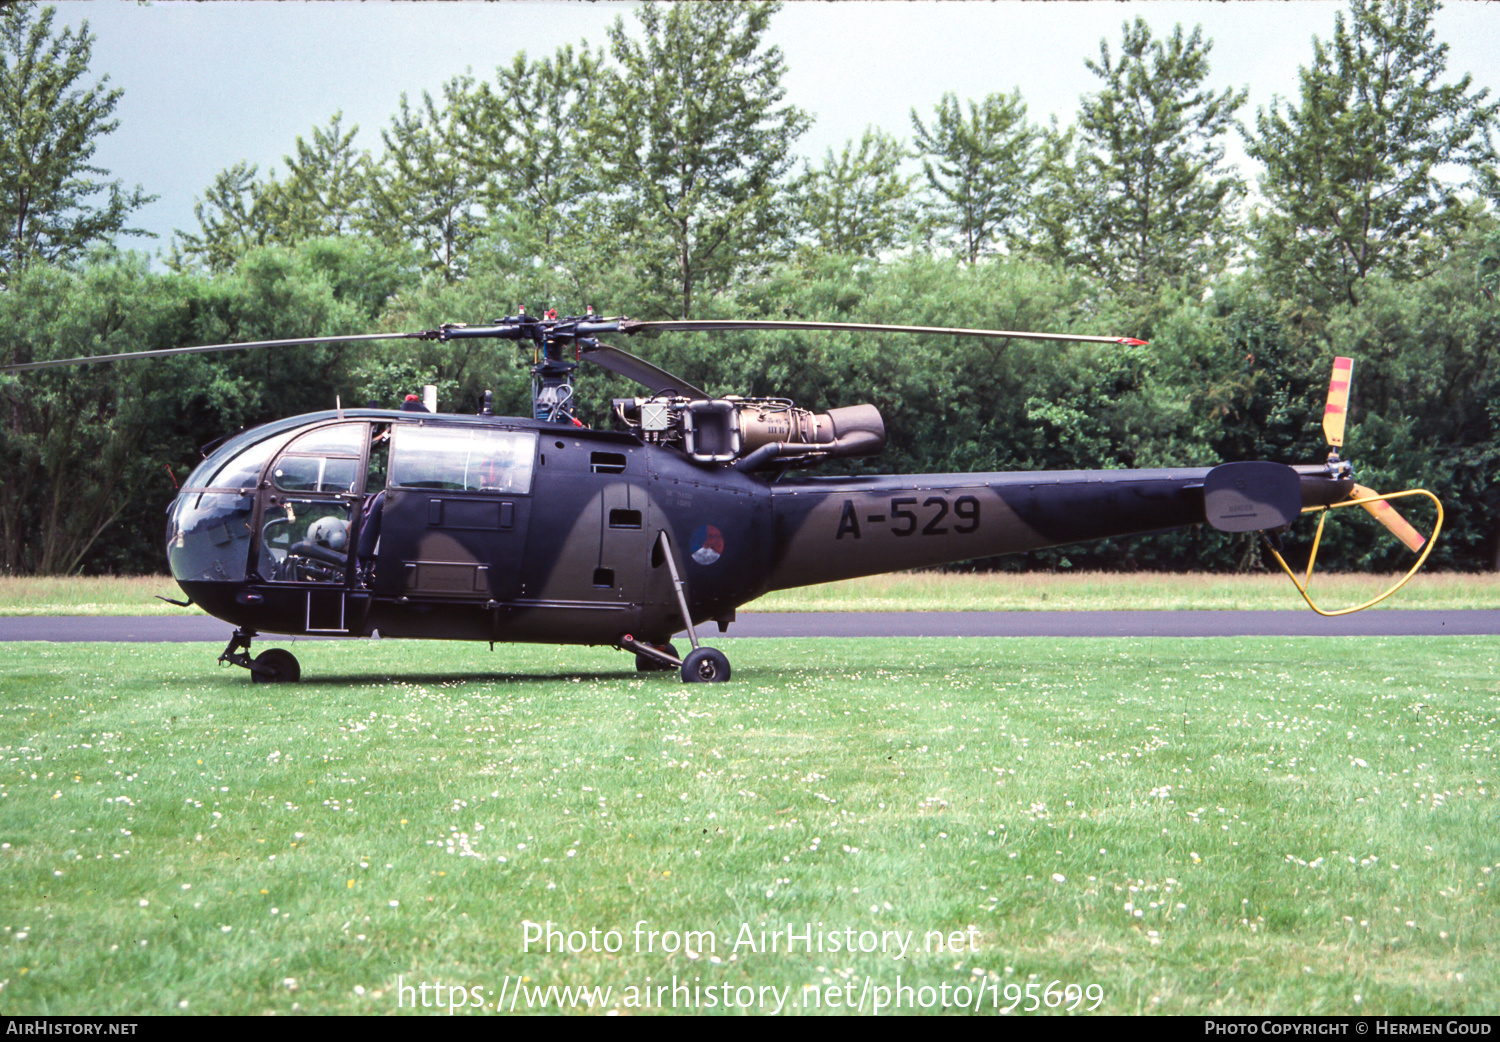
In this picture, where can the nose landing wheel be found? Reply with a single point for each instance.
(275, 666)
(272, 666)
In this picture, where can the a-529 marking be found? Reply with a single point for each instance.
(913, 515)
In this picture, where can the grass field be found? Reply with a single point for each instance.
(919, 591)
(1170, 826)
(1112, 591)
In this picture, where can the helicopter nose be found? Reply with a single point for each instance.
(208, 536)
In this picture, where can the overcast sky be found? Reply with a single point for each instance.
(210, 84)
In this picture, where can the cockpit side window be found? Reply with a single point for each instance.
(324, 460)
(341, 439)
(462, 459)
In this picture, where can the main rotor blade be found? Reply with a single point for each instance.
(1382, 511)
(204, 349)
(641, 371)
(720, 325)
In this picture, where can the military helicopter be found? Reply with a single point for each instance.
(416, 523)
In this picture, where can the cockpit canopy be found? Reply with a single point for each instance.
(316, 471)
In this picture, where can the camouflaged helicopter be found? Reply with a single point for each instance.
(422, 524)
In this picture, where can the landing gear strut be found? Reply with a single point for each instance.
(702, 665)
(272, 666)
(647, 661)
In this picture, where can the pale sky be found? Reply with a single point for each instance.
(210, 84)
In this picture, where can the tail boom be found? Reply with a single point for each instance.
(842, 528)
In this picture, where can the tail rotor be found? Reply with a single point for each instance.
(1334, 416)
(1377, 504)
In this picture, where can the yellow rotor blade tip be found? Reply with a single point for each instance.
(1337, 410)
(1386, 514)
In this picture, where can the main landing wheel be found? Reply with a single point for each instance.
(705, 666)
(647, 664)
(275, 666)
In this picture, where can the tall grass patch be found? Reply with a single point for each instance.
(1136, 591)
(1183, 826)
(902, 591)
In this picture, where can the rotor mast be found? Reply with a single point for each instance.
(552, 368)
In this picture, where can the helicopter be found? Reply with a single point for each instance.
(414, 523)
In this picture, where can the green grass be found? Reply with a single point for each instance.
(1192, 826)
(908, 591)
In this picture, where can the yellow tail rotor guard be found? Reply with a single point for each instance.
(1363, 497)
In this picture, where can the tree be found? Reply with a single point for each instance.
(1352, 176)
(529, 134)
(1055, 233)
(89, 455)
(326, 186)
(50, 123)
(235, 215)
(422, 193)
(1156, 207)
(695, 146)
(325, 193)
(859, 203)
(981, 169)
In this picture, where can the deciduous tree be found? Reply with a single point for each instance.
(423, 193)
(529, 134)
(1156, 205)
(54, 203)
(326, 193)
(980, 170)
(859, 203)
(327, 185)
(235, 215)
(89, 455)
(1355, 172)
(696, 143)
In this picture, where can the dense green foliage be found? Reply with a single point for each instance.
(655, 179)
(90, 456)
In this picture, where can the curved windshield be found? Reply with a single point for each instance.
(235, 467)
(208, 535)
